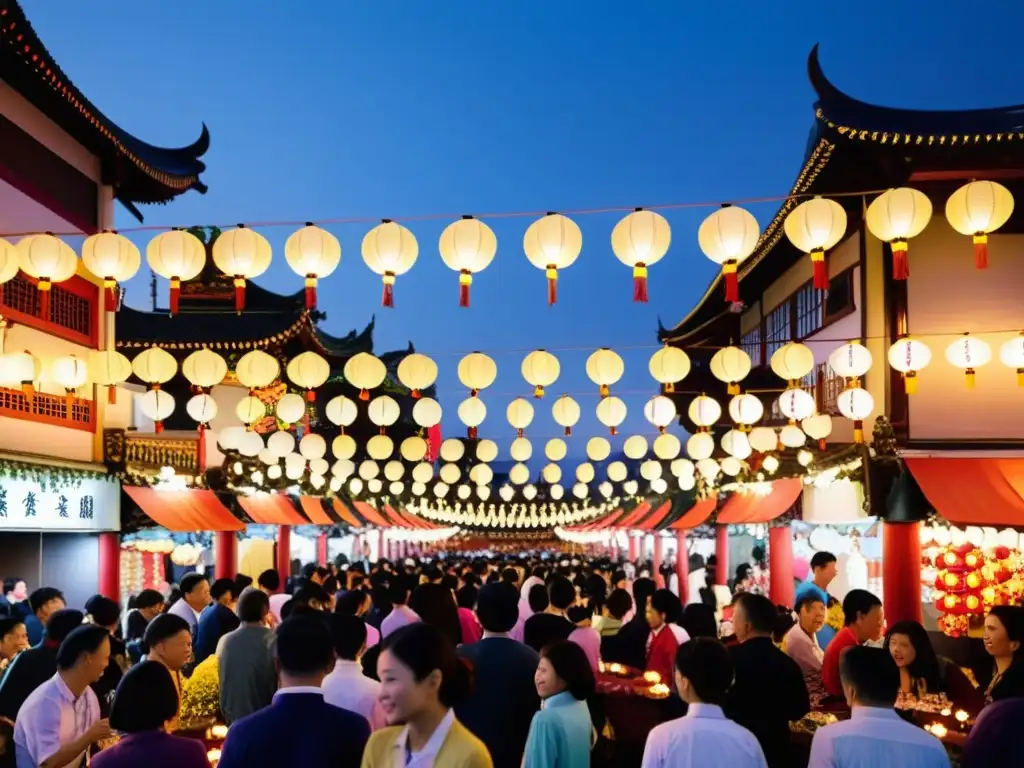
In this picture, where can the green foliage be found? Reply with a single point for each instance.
(49, 478)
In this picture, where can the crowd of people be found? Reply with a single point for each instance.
(475, 662)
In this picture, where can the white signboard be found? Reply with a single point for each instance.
(92, 505)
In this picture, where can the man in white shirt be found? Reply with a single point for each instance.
(875, 734)
(401, 614)
(703, 675)
(346, 686)
(60, 720)
(195, 595)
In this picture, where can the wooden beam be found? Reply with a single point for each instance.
(967, 175)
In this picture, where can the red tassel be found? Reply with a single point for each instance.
(44, 299)
(158, 427)
(900, 263)
(175, 293)
(310, 292)
(568, 431)
(310, 396)
(614, 431)
(465, 280)
(471, 432)
(364, 394)
(640, 284)
(110, 289)
(821, 444)
(732, 282)
(112, 395)
(981, 251)
(388, 298)
(416, 394)
(239, 294)
(820, 270)
(552, 275)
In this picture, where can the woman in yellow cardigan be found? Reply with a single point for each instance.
(421, 678)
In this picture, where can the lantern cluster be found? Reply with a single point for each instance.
(968, 582)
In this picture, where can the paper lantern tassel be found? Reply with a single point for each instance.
(44, 298)
(640, 283)
(820, 270)
(732, 282)
(910, 380)
(310, 292)
(900, 264)
(981, 251)
(112, 395)
(388, 299)
(552, 275)
(110, 292)
(239, 294)
(465, 281)
(175, 293)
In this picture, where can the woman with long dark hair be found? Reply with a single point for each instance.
(561, 733)
(421, 679)
(1004, 640)
(923, 672)
(435, 605)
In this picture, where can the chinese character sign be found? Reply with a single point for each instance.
(92, 505)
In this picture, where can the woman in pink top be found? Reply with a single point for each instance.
(585, 636)
(471, 629)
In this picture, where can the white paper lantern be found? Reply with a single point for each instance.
(250, 410)
(792, 361)
(700, 446)
(341, 411)
(48, 259)
(635, 447)
(251, 444)
(704, 411)
(630, 487)
(156, 405)
(313, 446)
(856, 404)
(650, 470)
(731, 365)
(154, 366)
(380, 447)
(521, 449)
(472, 413)
(518, 474)
(552, 473)
(746, 409)
(291, 408)
(417, 372)
(585, 472)
(486, 451)
(267, 456)
(709, 469)
(731, 466)
(368, 469)
(107, 368)
(660, 411)
(365, 372)
(894, 217)
(383, 411)
(667, 446)
(611, 412)
(552, 243)
(566, 412)
(319, 466)
(639, 240)
(727, 237)
(1011, 354)
(540, 369)
(280, 444)
(413, 449)
(977, 209)
(605, 368)
(423, 472)
(617, 471)
(598, 449)
(682, 468)
(355, 486)
(770, 464)
(555, 449)
(230, 437)
(390, 250)
(343, 447)
(256, 369)
(908, 356)
(687, 482)
(201, 408)
(519, 414)
(312, 253)
(969, 353)
(467, 246)
(452, 450)
(796, 404)
(736, 444)
(308, 371)
(477, 372)
(204, 368)
(506, 492)
(816, 226)
(427, 412)
(450, 474)
(669, 366)
(792, 436)
(818, 427)
(481, 474)
(242, 254)
(176, 255)
(851, 361)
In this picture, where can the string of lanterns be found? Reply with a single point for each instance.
(552, 244)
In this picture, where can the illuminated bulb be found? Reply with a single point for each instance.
(804, 457)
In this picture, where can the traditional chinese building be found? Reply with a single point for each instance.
(961, 445)
(63, 163)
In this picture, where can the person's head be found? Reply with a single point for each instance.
(909, 646)
(146, 699)
(643, 588)
(85, 652)
(811, 610)
(467, 596)
(420, 673)
(510, 576)
(433, 575)
(561, 593)
(398, 590)
(497, 607)
(149, 603)
(103, 612)
(222, 591)
(61, 624)
(1004, 632)
(564, 667)
(242, 582)
(753, 616)
(313, 595)
(538, 598)
(348, 633)
(704, 671)
(824, 568)
(662, 607)
(699, 621)
(619, 579)
(744, 577)
(195, 590)
(305, 651)
(45, 601)
(355, 602)
(269, 581)
(580, 615)
(870, 677)
(864, 615)
(13, 637)
(168, 639)
(15, 589)
(435, 605)
(618, 604)
(253, 606)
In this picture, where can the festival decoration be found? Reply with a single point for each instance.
(341, 412)
(114, 259)
(109, 368)
(666, 446)
(476, 372)
(851, 361)
(154, 366)
(660, 411)
(204, 369)
(640, 240)
(49, 260)
(894, 217)
(176, 255)
(746, 409)
(417, 372)
(731, 365)
(390, 250)
(9, 264)
(791, 362)
(540, 369)
(908, 356)
(611, 412)
(818, 427)
(968, 353)
(604, 368)
(291, 408)
(426, 412)
(472, 413)
(71, 373)
(855, 404)
(519, 414)
(551, 243)
(977, 209)
(312, 253)
(156, 405)
(308, 371)
(727, 237)
(467, 246)
(1011, 354)
(242, 254)
(598, 449)
(816, 226)
(365, 372)
(257, 369)
(668, 367)
(566, 412)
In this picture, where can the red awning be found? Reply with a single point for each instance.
(600, 523)
(314, 510)
(346, 514)
(271, 509)
(973, 491)
(630, 520)
(695, 515)
(394, 518)
(370, 515)
(418, 521)
(180, 511)
(654, 519)
(753, 508)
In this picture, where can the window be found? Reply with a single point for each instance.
(839, 302)
(73, 308)
(777, 328)
(809, 309)
(751, 344)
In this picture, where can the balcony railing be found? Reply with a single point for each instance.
(44, 408)
(150, 453)
(73, 308)
(823, 384)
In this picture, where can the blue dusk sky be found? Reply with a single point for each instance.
(389, 109)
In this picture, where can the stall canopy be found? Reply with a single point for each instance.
(607, 521)
(973, 491)
(695, 515)
(194, 510)
(313, 508)
(271, 509)
(653, 520)
(345, 513)
(370, 515)
(753, 507)
(630, 520)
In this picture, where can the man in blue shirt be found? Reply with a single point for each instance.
(44, 602)
(823, 570)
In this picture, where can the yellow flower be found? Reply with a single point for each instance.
(836, 618)
(200, 694)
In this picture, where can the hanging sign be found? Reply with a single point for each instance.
(29, 505)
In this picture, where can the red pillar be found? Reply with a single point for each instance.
(321, 549)
(284, 553)
(682, 567)
(225, 554)
(634, 548)
(110, 565)
(659, 544)
(722, 555)
(780, 565)
(901, 572)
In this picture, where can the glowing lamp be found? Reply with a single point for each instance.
(727, 237)
(555, 449)
(49, 260)
(552, 243)
(1011, 354)
(154, 366)
(467, 246)
(242, 254)
(669, 366)
(977, 209)
(390, 250)
(176, 255)
(71, 373)
(540, 369)
(109, 368)
(700, 446)
(250, 410)
(426, 412)
(604, 368)
(856, 404)
(611, 412)
(894, 217)
(792, 361)
(204, 369)
(598, 449)
(566, 412)
(308, 370)
(202, 408)
(816, 226)
(666, 446)
(908, 356)
(746, 409)
(519, 414)
(639, 240)
(851, 360)
(763, 439)
(796, 404)
(8, 262)
(156, 405)
(256, 369)
(417, 372)
(290, 408)
(383, 411)
(968, 353)
(113, 258)
(731, 365)
(660, 411)
(341, 411)
(380, 448)
(704, 411)
(472, 413)
(635, 447)
(365, 372)
(477, 371)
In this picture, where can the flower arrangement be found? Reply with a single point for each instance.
(200, 694)
(835, 617)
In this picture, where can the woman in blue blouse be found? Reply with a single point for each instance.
(561, 734)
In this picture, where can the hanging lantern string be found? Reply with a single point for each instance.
(451, 216)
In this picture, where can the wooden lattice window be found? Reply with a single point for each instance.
(73, 308)
(48, 409)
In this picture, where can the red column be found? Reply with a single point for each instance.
(225, 554)
(634, 548)
(682, 567)
(901, 572)
(110, 565)
(284, 553)
(321, 549)
(780, 565)
(722, 555)
(659, 544)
